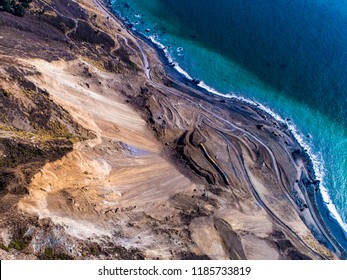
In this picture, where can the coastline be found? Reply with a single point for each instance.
(335, 233)
(147, 165)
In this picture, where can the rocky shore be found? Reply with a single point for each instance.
(121, 158)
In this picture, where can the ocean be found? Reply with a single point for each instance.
(290, 56)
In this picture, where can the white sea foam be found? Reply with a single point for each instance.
(317, 160)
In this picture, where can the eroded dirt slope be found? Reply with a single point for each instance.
(126, 162)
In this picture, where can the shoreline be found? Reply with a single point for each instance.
(157, 167)
(326, 217)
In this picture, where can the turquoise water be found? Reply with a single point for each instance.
(289, 55)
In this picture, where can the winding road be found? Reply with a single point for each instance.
(231, 127)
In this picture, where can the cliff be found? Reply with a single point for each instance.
(107, 154)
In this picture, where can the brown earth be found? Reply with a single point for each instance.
(104, 158)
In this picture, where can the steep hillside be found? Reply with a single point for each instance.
(105, 153)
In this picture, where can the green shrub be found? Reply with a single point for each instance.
(16, 244)
(16, 8)
(50, 254)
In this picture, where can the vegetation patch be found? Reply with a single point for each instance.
(86, 33)
(61, 22)
(15, 7)
(20, 240)
(16, 244)
(124, 56)
(51, 254)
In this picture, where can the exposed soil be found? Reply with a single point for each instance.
(102, 157)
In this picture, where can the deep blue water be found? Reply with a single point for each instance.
(289, 55)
